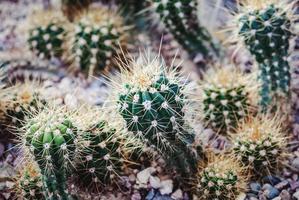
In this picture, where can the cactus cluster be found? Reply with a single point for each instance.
(100, 159)
(51, 138)
(223, 178)
(97, 36)
(260, 144)
(29, 183)
(180, 18)
(47, 35)
(266, 33)
(228, 97)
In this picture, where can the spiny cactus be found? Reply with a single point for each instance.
(97, 36)
(72, 8)
(47, 34)
(51, 139)
(264, 26)
(228, 97)
(260, 143)
(180, 17)
(100, 159)
(151, 101)
(223, 178)
(29, 183)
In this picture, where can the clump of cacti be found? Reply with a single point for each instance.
(264, 27)
(51, 139)
(97, 36)
(152, 101)
(47, 34)
(29, 183)
(180, 18)
(222, 178)
(227, 97)
(260, 143)
(100, 159)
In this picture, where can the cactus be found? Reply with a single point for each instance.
(260, 143)
(100, 159)
(180, 18)
(72, 8)
(51, 138)
(97, 36)
(222, 178)
(47, 34)
(151, 102)
(228, 97)
(265, 30)
(29, 183)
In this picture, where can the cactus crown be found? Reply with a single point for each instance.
(29, 183)
(265, 30)
(97, 36)
(47, 34)
(100, 158)
(227, 98)
(260, 143)
(222, 178)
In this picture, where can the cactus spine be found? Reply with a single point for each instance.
(71, 8)
(260, 144)
(266, 33)
(180, 17)
(51, 138)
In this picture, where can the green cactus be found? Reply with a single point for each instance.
(100, 159)
(259, 144)
(266, 35)
(221, 179)
(29, 184)
(94, 45)
(152, 107)
(179, 16)
(51, 138)
(223, 108)
(47, 41)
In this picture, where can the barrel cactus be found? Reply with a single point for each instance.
(228, 96)
(180, 18)
(100, 158)
(51, 139)
(260, 143)
(264, 27)
(47, 34)
(222, 178)
(97, 36)
(29, 183)
(152, 103)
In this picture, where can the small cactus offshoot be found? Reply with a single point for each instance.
(47, 34)
(260, 144)
(98, 35)
(29, 183)
(223, 178)
(180, 18)
(51, 139)
(228, 97)
(100, 159)
(264, 27)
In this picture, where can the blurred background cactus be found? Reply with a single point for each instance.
(72, 8)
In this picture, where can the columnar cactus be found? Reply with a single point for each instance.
(180, 17)
(265, 29)
(29, 183)
(222, 178)
(228, 97)
(47, 34)
(260, 144)
(100, 159)
(97, 36)
(71, 8)
(152, 102)
(51, 139)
